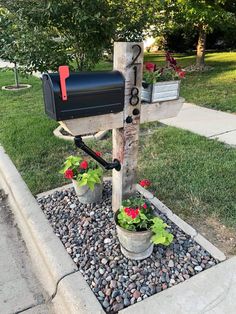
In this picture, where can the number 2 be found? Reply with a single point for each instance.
(135, 57)
(138, 54)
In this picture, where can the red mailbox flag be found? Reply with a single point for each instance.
(64, 74)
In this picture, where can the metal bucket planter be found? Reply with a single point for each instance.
(85, 195)
(161, 91)
(134, 244)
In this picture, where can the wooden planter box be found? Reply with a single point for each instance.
(160, 91)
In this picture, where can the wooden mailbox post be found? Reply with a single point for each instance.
(128, 59)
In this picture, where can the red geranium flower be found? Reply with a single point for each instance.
(69, 174)
(181, 74)
(132, 212)
(127, 210)
(99, 154)
(145, 183)
(84, 165)
(150, 66)
(145, 206)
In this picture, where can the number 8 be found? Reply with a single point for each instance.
(134, 99)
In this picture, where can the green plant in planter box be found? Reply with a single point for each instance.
(136, 214)
(171, 72)
(85, 172)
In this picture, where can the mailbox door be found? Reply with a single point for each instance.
(48, 95)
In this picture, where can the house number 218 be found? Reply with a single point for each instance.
(134, 99)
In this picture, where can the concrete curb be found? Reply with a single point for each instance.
(81, 300)
(55, 269)
(208, 246)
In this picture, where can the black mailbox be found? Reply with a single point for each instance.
(75, 95)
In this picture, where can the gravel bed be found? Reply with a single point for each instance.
(89, 236)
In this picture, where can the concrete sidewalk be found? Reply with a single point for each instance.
(20, 291)
(207, 122)
(6, 64)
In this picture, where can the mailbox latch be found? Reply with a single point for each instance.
(107, 165)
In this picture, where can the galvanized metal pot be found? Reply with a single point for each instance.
(134, 244)
(161, 91)
(85, 195)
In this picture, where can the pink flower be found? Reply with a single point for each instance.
(181, 74)
(150, 66)
(145, 206)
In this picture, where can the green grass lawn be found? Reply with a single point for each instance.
(213, 89)
(191, 174)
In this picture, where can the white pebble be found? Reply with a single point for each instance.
(171, 263)
(104, 261)
(198, 268)
(107, 240)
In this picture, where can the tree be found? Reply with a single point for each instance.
(204, 16)
(134, 18)
(30, 49)
(84, 28)
(8, 41)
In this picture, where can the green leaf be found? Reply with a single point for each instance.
(91, 185)
(83, 182)
(157, 239)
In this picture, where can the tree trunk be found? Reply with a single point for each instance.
(201, 49)
(16, 76)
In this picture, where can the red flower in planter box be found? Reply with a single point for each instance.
(84, 165)
(132, 212)
(153, 74)
(69, 174)
(181, 74)
(85, 172)
(150, 66)
(145, 183)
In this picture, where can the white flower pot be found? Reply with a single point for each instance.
(85, 195)
(161, 91)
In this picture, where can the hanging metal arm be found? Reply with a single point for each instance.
(107, 165)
